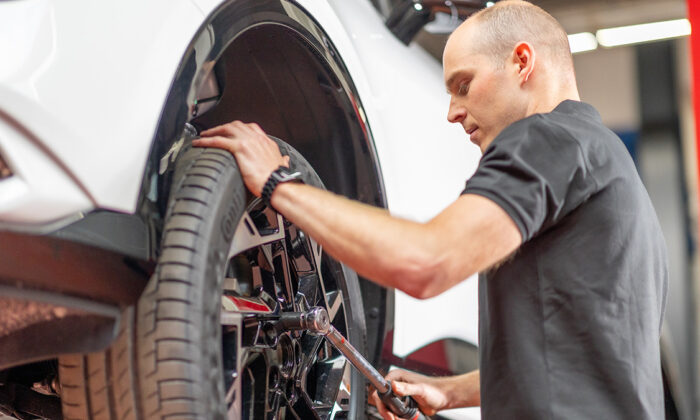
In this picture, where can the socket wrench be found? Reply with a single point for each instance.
(316, 321)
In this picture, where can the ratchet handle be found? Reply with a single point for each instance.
(407, 409)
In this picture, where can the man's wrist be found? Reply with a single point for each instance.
(284, 195)
(459, 391)
(464, 390)
(279, 176)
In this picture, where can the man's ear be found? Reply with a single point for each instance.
(524, 59)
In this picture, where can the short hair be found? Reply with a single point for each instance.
(508, 22)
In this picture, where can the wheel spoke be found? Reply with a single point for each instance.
(290, 407)
(234, 308)
(250, 234)
(309, 293)
(230, 316)
(275, 402)
(342, 400)
(333, 301)
(317, 251)
(235, 404)
(283, 275)
(267, 254)
(332, 370)
(234, 356)
(310, 348)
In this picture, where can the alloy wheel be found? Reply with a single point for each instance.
(271, 372)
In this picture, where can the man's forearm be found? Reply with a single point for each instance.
(391, 251)
(462, 390)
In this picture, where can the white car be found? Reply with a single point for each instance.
(138, 277)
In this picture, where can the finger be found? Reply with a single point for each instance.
(255, 127)
(286, 161)
(218, 142)
(396, 374)
(219, 130)
(418, 392)
(406, 376)
(208, 142)
(240, 128)
(374, 400)
(386, 414)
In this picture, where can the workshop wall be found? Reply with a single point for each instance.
(607, 79)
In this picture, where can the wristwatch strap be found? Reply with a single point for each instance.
(278, 176)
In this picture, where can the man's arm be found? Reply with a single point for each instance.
(421, 259)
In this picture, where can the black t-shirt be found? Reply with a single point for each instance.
(570, 324)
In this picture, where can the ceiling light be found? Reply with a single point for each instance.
(581, 42)
(646, 32)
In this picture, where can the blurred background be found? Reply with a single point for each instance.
(633, 63)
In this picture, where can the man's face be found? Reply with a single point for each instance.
(484, 97)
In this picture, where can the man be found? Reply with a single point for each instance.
(573, 264)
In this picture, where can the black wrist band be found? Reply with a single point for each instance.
(278, 176)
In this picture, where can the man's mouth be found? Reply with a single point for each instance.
(472, 130)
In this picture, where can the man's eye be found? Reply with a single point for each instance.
(463, 89)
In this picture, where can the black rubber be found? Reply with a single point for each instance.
(166, 362)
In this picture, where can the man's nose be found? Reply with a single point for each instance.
(456, 113)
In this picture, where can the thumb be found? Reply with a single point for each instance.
(403, 389)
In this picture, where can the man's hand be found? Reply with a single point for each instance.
(427, 392)
(256, 154)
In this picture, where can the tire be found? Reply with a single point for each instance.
(173, 358)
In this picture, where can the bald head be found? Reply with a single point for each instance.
(498, 29)
(503, 64)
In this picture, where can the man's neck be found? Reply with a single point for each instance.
(551, 99)
(548, 89)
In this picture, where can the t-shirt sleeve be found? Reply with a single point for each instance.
(536, 172)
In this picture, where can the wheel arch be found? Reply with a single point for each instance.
(275, 65)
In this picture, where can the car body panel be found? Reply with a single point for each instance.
(77, 99)
(39, 182)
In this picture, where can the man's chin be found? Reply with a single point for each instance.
(482, 143)
(475, 138)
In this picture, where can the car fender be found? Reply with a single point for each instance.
(92, 78)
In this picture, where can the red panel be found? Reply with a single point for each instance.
(694, 17)
(248, 304)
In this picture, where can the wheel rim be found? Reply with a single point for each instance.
(273, 267)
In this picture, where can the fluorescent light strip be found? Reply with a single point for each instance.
(581, 42)
(635, 34)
